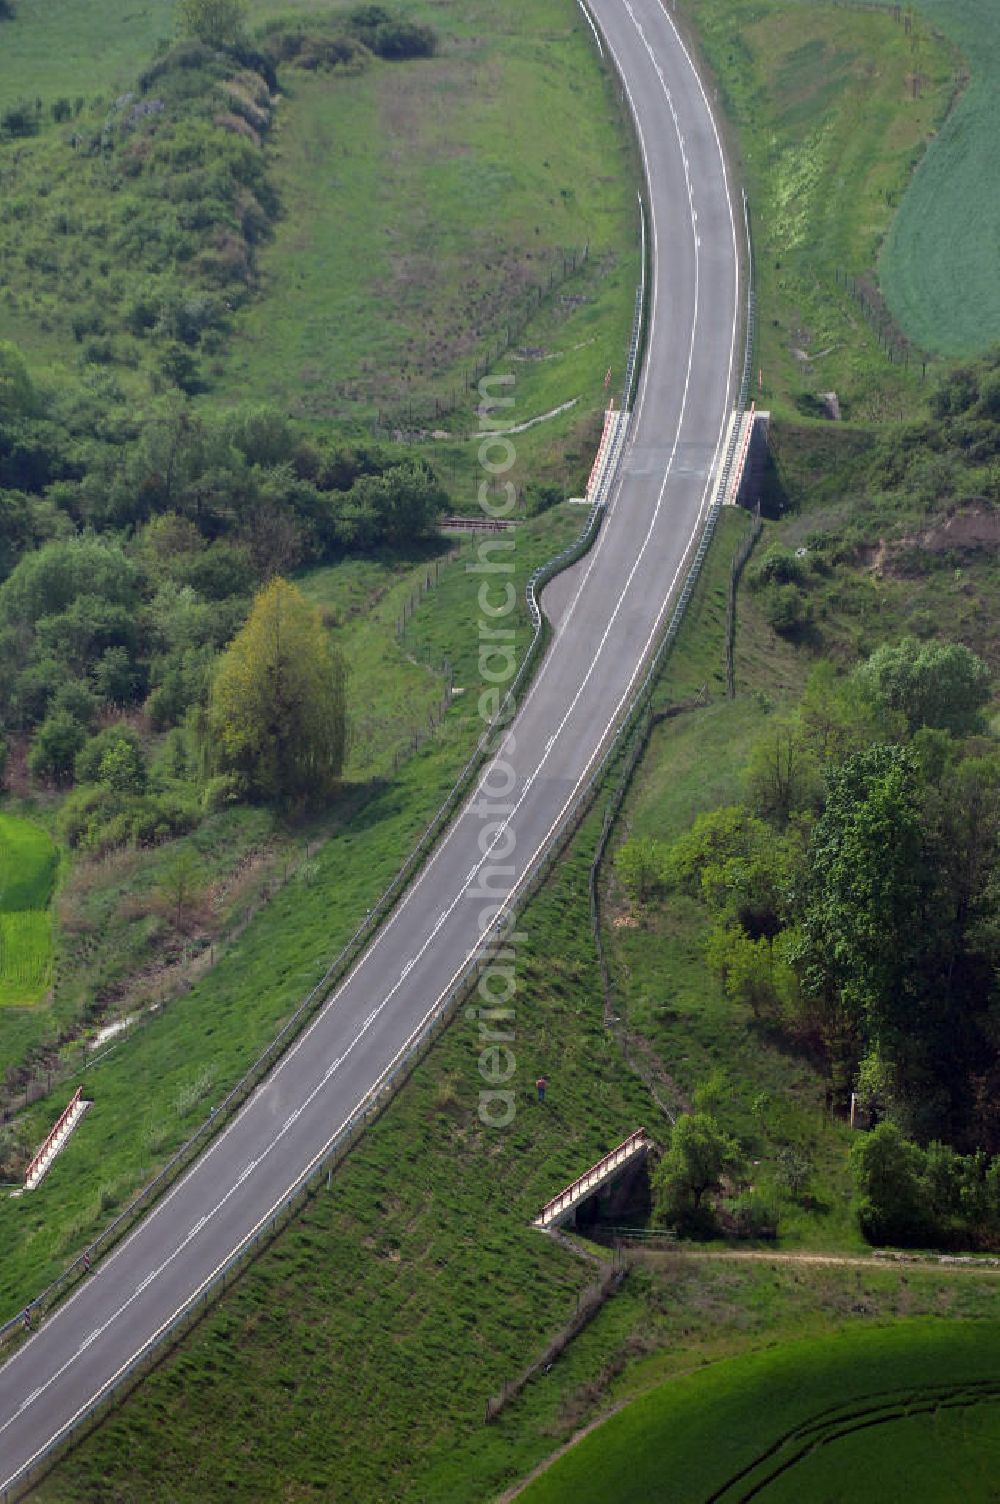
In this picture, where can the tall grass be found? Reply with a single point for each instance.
(25, 955)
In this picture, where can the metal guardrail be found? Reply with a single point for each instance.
(629, 1149)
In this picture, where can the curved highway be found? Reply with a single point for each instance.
(606, 625)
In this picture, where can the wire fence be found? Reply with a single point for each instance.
(420, 412)
(740, 559)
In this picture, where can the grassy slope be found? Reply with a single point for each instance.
(422, 1457)
(414, 1288)
(60, 47)
(394, 1311)
(469, 178)
(820, 100)
(584, 328)
(228, 1016)
(939, 264)
(694, 1435)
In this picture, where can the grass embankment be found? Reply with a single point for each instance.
(695, 762)
(115, 951)
(473, 179)
(424, 211)
(416, 1287)
(913, 1409)
(938, 268)
(149, 1095)
(28, 861)
(821, 100)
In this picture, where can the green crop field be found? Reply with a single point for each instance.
(28, 861)
(910, 1411)
(827, 132)
(25, 955)
(939, 266)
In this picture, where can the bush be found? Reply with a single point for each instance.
(891, 1204)
(96, 818)
(400, 39)
(114, 758)
(787, 611)
(753, 1216)
(223, 790)
(391, 36)
(53, 751)
(778, 566)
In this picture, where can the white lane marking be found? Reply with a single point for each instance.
(109, 1384)
(147, 1281)
(406, 970)
(88, 1340)
(291, 1118)
(32, 1397)
(196, 1229)
(590, 23)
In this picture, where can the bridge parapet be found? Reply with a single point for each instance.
(614, 1163)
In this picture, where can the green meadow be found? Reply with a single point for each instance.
(28, 861)
(908, 1411)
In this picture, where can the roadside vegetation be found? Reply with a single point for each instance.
(753, 987)
(828, 129)
(147, 500)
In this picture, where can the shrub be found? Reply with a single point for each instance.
(400, 39)
(753, 1216)
(787, 611)
(97, 818)
(53, 751)
(113, 757)
(389, 35)
(778, 566)
(891, 1203)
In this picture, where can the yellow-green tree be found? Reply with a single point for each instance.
(276, 709)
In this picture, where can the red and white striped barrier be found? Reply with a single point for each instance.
(55, 1139)
(554, 1211)
(611, 419)
(740, 462)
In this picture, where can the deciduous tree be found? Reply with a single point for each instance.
(276, 707)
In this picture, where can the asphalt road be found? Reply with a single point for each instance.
(607, 616)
